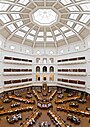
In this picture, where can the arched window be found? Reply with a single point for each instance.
(44, 60)
(51, 60)
(37, 69)
(44, 69)
(37, 60)
(51, 69)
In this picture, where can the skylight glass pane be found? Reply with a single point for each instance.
(49, 39)
(70, 33)
(4, 18)
(59, 37)
(73, 8)
(69, 23)
(65, 2)
(74, 16)
(25, 28)
(40, 39)
(16, 8)
(49, 34)
(85, 7)
(20, 33)
(78, 27)
(11, 27)
(19, 23)
(33, 32)
(15, 16)
(24, 2)
(30, 37)
(64, 28)
(85, 18)
(40, 33)
(56, 32)
(4, 7)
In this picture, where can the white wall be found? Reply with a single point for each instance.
(68, 52)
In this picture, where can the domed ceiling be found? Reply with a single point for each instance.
(46, 23)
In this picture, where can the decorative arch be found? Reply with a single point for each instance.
(51, 69)
(44, 69)
(37, 69)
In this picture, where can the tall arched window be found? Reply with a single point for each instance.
(51, 69)
(44, 69)
(37, 69)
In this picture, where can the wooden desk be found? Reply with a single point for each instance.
(33, 116)
(36, 95)
(5, 112)
(66, 99)
(22, 99)
(52, 95)
(58, 120)
(73, 110)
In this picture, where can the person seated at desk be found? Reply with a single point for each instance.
(15, 105)
(7, 100)
(70, 95)
(73, 104)
(18, 95)
(60, 96)
(81, 100)
(1, 107)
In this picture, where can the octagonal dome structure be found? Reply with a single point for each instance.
(45, 17)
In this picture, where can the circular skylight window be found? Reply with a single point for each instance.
(45, 17)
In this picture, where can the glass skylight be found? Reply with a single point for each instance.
(30, 37)
(56, 32)
(25, 28)
(19, 23)
(4, 7)
(65, 2)
(69, 23)
(85, 7)
(40, 39)
(64, 28)
(4, 18)
(49, 39)
(33, 32)
(24, 2)
(45, 17)
(41, 34)
(77, 47)
(70, 33)
(49, 34)
(59, 37)
(73, 8)
(74, 16)
(78, 27)
(16, 8)
(15, 16)
(20, 33)
(85, 18)
(11, 27)
(12, 47)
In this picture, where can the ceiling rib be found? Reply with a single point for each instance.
(27, 34)
(72, 20)
(14, 21)
(62, 35)
(82, 40)
(16, 31)
(53, 37)
(16, 4)
(36, 37)
(73, 4)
